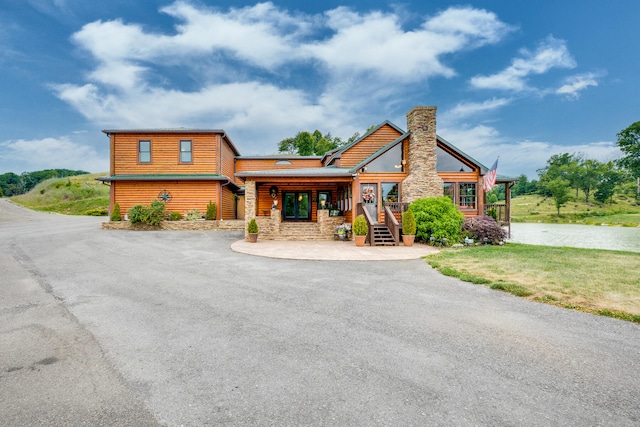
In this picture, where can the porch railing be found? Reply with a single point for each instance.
(498, 211)
(392, 223)
(361, 210)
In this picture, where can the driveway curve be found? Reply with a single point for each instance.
(173, 328)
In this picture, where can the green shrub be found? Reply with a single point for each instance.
(437, 219)
(360, 227)
(408, 223)
(212, 210)
(152, 215)
(137, 214)
(252, 227)
(175, 216)
(96, 212)
(116, 215)
(193, 214)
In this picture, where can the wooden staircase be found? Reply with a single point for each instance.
(382, 236)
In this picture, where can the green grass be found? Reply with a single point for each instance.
(76, 195)
(596, 281)
(533, 208)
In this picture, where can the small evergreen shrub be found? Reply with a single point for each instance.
(437, 220)
(408, 223)
(96, 212)
(484, 227)
(175, 216)
(360, 227)
(193, 214)
(252, 227)
(151, 215)
(212, 210)
(115, 214)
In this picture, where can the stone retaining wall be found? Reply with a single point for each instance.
(237, 224)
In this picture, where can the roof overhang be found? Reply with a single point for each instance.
(169, 177)
(326, 172)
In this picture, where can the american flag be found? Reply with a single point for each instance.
(490, 177)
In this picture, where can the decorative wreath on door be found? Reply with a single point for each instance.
(368, 194)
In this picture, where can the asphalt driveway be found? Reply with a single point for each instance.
(109, 327)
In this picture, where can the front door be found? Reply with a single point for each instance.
(296, 205)
(369, 194)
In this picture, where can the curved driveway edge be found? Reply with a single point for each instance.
(330, 250)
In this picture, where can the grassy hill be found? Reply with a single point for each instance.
(76, 195)
(534, 208)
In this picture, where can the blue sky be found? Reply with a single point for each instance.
(517, 79)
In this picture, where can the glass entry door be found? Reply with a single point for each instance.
(297, 205)
(369, 194)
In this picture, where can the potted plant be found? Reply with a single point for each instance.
(252, 230)
(408, 227)
(360, 229)
(343, 231)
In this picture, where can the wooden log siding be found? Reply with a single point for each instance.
(227, 161)
(185, 195)
(228, 208)
(165, 154)
(367, 146)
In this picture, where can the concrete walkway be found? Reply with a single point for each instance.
(330, 250)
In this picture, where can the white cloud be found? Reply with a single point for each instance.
(52, 153)
(468, 109)
(376, 42)
(575, 84)
(485, 144)
(550, 53)
(351, 59)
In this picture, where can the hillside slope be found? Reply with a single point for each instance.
(76, 195)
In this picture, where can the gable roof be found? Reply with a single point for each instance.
(381, 151)
(462, 154)
(338, 151)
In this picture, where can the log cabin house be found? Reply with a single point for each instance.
(300, 197)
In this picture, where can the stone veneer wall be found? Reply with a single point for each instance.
(250, 200)
(422, 180)
(233, 224)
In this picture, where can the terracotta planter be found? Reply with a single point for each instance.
(252, 237)
(360, 240)
(407, 239)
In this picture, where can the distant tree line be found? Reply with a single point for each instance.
(12, 184)
(599, 181)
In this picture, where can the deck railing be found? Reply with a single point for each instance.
(392, 223)
(498, 211)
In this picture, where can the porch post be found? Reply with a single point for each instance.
(250, 202)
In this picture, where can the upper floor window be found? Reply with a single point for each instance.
(186, 153)
(391, 161)
(144, 151)
(446, 162)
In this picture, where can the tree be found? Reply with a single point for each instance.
(629, 143)
(564, 166)
(587, 177)
(609, 178)
(308, 144)
(559, 189)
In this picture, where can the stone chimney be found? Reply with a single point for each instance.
(422, 180)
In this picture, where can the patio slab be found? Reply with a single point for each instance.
(330, 250)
